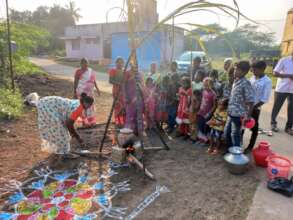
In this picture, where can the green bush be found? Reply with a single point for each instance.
(59, 53)
(11, 104)
(29, 39)
(24, 67)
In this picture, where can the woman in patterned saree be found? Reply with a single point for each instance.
(134, 104)
(85, 82)
(56, 117)
(116, 79)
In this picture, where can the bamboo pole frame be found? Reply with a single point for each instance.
(193, 6)
(9, 48)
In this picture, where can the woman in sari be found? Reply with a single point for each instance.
(85, 82)
(116, 79)
(134, 104)
(56, 117)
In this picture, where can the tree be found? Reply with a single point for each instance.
(54, 19)
(58, 18)
(210, 32)
(40, 16)
(29, 39)
(214, 29)
(243, 39)
(20, 16)
(74, 11)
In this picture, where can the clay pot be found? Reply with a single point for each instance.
(124, 136)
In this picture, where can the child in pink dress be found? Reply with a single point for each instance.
(161, 106)
(207, 107)
(150, 103)
(183, 113)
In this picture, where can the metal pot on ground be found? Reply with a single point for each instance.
(236, 161)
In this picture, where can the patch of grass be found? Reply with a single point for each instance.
(59, 53)
(76, 64)
(25, 67)
(11, 104)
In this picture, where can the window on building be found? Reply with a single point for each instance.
(75, 44)
(93, 40)
(96, 40)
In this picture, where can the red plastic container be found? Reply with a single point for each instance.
(250, 123)
(261, 153)
(278, 167)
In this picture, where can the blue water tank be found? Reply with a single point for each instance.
(149, 52)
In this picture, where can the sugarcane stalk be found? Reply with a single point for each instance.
(139, 104)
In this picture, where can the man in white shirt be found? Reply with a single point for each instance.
(262, 85)
(153, 73)
(283, 91)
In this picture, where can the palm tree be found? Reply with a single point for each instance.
(74, 11)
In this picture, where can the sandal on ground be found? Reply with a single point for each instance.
(210, 150)
(289, 131)
(275, 128)
(215, 151)
(269, 133)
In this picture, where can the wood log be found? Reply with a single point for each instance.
(133, 159)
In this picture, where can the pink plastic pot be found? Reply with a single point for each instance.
(278, 166)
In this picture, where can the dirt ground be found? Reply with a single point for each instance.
(200, 185)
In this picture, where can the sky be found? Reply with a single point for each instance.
(270, 13)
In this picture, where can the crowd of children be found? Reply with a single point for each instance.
(204, 106)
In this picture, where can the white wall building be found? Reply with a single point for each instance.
(106, 41)
(92, 41)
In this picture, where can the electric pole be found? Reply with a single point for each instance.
(9, 47)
